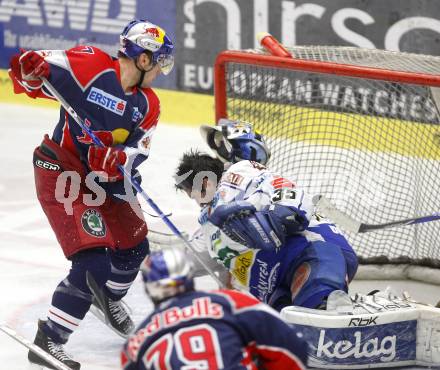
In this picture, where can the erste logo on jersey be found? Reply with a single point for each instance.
(107, 101)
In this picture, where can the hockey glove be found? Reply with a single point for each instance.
(33, 67)
(242, 223)
(107, 159)
(287, 218)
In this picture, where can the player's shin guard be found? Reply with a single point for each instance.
(124, 269)
(69, 306)
(72, 297)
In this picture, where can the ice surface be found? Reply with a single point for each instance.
(32, 264)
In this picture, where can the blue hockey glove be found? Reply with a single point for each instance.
(242, 223)
(287, 218)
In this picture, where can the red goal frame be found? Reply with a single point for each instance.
(267, 60)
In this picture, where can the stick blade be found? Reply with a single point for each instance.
(329, 210)
(34, 348)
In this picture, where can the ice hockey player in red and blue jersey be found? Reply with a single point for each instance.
(100, 232)
(221, 329)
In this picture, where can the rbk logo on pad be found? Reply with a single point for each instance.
(107, 101)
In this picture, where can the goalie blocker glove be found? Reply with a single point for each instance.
(266, 229)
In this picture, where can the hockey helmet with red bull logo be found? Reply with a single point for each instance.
(166, 273)
(140, 36)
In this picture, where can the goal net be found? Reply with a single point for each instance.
(359, 126)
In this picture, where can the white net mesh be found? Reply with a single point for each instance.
(371, 146)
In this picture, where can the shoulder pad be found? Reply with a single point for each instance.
(87, 63)
(239, 174)
(153, 111)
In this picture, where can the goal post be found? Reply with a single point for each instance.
(360, 126)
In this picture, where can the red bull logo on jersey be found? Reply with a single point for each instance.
(107, 101)
(200, 308)
(108, 138)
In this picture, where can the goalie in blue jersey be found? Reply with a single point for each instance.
(260, 226)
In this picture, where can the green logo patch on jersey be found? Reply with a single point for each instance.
(93, 223)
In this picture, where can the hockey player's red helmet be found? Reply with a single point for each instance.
(166, 273)
(140, 35)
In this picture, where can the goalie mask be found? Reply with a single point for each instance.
(140, 36)
(166, 273)
(234, 141)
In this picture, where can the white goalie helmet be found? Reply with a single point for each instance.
(166, 273)
(234, 141)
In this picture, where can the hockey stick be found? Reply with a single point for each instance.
(349, 224)
(34, 348)
(130, 178)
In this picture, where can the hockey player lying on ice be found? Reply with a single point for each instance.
(105, 237)
(263, 230)
(259, 226)
(221, 329)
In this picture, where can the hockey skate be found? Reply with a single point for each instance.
(112, 313)
(54, 349)
(375, 330)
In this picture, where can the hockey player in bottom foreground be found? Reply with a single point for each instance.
(220, 329)
(259, 226)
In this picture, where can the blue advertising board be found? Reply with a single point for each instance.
(48, 24)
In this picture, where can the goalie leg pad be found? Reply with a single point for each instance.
(319, 270)
(380, 333)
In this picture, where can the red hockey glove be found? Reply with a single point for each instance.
(33, 66)
(21, 83)
(107, 159)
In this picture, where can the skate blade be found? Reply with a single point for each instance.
(101, 317)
